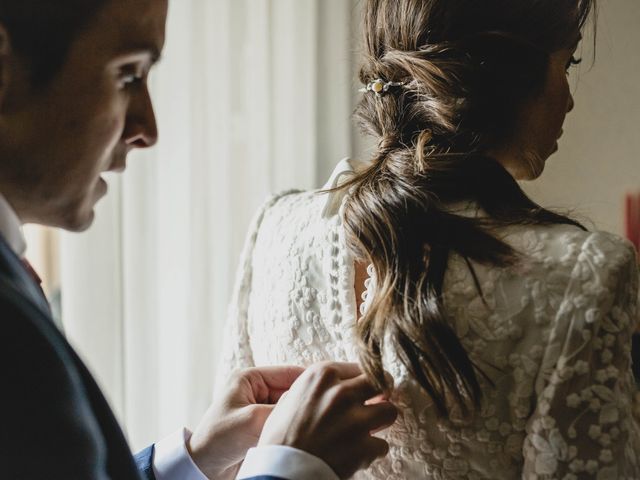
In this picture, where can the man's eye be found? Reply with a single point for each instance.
(130, 79)
(131, 75)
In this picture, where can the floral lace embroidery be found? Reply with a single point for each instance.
(552, 334)
(367, 295)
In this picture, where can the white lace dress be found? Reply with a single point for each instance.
(554, 337)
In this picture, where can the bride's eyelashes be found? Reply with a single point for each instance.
(573, 61)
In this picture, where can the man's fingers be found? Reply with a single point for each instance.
(361, 388)
(282, 377)
(270, 383)
(264, 385)
(364, 391)
(280, 397)
(368, 450)
(279, 378)
(376, 448)
(344, 370)
(379, 416)
(377, 399)
(260, 413)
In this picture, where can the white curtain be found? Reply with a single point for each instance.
(252, 97)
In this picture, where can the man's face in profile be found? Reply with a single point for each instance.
(62, 137)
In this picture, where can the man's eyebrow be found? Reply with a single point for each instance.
(144, 49)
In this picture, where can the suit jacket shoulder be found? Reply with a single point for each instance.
(55, 422)
(49, 430)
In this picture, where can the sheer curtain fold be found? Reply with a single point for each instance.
(252, 97)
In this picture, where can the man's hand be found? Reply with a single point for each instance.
(325, 414)
(320, 410)
(232, 425)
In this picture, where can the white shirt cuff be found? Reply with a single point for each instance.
(171, 459)
(284, 462)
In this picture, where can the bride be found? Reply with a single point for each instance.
(506, 327)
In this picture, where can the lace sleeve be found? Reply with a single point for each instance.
(236, 351)
(582, 426)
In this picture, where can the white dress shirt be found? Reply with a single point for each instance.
(172, 462)
(171, 459)
(11, 228)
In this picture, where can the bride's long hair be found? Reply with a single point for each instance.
(466, 68)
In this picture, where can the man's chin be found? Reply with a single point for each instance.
(74, 216)
(83, 226)
(77, 223)
(80, 219)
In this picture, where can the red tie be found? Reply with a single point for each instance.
(32, 273)
(38, 282)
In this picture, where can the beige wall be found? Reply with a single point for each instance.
(599, 157)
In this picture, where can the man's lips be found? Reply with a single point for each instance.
(118, 165)
(119, 159)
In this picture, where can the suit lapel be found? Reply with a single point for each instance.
(121, 463)
(14, 269)
(15, 279)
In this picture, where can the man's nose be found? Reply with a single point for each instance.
(141, 129)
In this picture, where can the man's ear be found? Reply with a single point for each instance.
(5, 63)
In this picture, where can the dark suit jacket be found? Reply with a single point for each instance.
(55, 424)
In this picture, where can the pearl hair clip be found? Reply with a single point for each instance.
(380, 87)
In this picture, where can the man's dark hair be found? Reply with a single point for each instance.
(42, 31)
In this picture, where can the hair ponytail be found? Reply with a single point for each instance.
(433, 132)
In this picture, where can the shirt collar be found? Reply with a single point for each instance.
(11, 228)
(345, 169)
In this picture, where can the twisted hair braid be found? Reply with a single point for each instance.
(463, 83)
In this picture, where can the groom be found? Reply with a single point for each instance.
(73, 103)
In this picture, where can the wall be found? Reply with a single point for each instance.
(599, 156)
